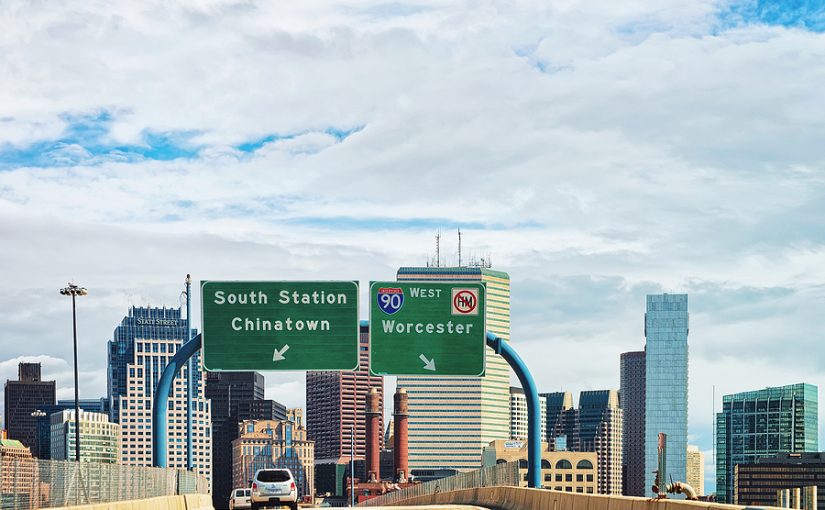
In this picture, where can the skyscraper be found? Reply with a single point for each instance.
(632, 402)
(335, 404)
(22, 398)
(142, 346)
(696, 469)
(758, 424)
(518, 415)
(555, 403)
(596, 426)
(453, 418)
(226, 391)
(666, 384)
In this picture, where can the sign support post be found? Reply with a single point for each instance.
(533, 407)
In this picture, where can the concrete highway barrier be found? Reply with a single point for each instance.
(517, 498)
(185, 502)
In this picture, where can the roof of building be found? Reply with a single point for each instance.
(11, 443)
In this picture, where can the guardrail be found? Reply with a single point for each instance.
(493, 476)
(29, 483)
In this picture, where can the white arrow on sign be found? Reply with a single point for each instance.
(429, 364)
(279, 355)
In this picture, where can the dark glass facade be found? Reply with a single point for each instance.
(632, 402)
(758, 424)
(22, 398)
(756, 484)
(557, 402)
(227, 390)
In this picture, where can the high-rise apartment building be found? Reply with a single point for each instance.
(226, 392)
(99, 438)
(696, 469)
(632, 402)
(263, 444)
(22, 398)
(142, 346)
(453, 418)
(762, 423)
(335, 404)
(666, 384)
(518, 415)
(595, 426)
(555, 403)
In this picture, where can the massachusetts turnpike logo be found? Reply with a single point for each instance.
(390, 299)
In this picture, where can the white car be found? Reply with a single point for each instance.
(240, 499)
(274, 488)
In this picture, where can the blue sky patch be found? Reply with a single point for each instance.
(338, 133)
(803, 14)
(86, 141)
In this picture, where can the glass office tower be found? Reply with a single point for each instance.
(666, 384)
(758, 424)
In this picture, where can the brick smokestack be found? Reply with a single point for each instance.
(400, 453)
(373, 431)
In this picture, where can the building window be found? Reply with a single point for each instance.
(584, 464)
(564, 464)
(579, 478)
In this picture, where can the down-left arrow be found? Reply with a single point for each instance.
(279, 355)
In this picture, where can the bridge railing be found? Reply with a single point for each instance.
(30, 483)
(499, 475)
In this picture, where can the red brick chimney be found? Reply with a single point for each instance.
(373, 430)
(400, 453)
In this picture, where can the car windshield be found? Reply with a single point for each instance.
(274, 475)
(247, 492)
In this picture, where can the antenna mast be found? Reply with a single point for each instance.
(438, 249)
(459, 247)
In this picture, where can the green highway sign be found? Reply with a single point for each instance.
(280, 325)
(427, 328)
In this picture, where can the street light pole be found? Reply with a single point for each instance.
(73, 290)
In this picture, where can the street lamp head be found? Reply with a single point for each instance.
(74, 290)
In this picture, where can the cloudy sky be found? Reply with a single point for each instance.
(595, 151)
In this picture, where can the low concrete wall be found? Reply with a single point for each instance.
(186, 502)
(516, 498)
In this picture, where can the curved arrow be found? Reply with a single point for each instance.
(429, 364)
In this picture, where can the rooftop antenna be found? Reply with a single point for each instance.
(438, 249)
(459, 247)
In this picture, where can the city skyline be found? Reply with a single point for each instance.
(595, 153)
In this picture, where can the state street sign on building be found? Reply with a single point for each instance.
(280, 325)
(427, 328)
